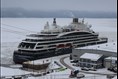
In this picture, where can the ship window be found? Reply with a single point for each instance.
(27, 45)
(39, 47)
(32, 40)
(75, 55)
(76, 33)
(52, 46)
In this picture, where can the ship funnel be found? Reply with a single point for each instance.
(75, 20)
(54, 21)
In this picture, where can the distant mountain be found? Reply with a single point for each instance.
(20, 13)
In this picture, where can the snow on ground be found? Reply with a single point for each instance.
(41, 61)
(55, 75)
(110, 46)
(90, 76)
(67, 60)
(7, 49)
(95, 57)
(50, 59)
(113, 58)
(11, 72)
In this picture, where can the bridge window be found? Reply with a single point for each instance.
(27, 45)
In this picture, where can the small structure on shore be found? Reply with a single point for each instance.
(110, 62)
(107, 50)
(37, 64)
(91, 60)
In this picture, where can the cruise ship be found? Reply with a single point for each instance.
(55, 40)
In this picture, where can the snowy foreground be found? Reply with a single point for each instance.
(11, 36)
(63, 74)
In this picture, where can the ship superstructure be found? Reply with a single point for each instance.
(55, 40)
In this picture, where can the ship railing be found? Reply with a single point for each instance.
(87, 40)
(82, 36)
(90, 37)
(50, 33)
(78, 35)
(37, 49)
(91, 42)
(65, 37)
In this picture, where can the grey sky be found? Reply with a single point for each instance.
(84, 5)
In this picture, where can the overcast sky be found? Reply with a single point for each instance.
(82, 5)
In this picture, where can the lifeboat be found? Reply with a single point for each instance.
(68, 45)
(60, 46)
